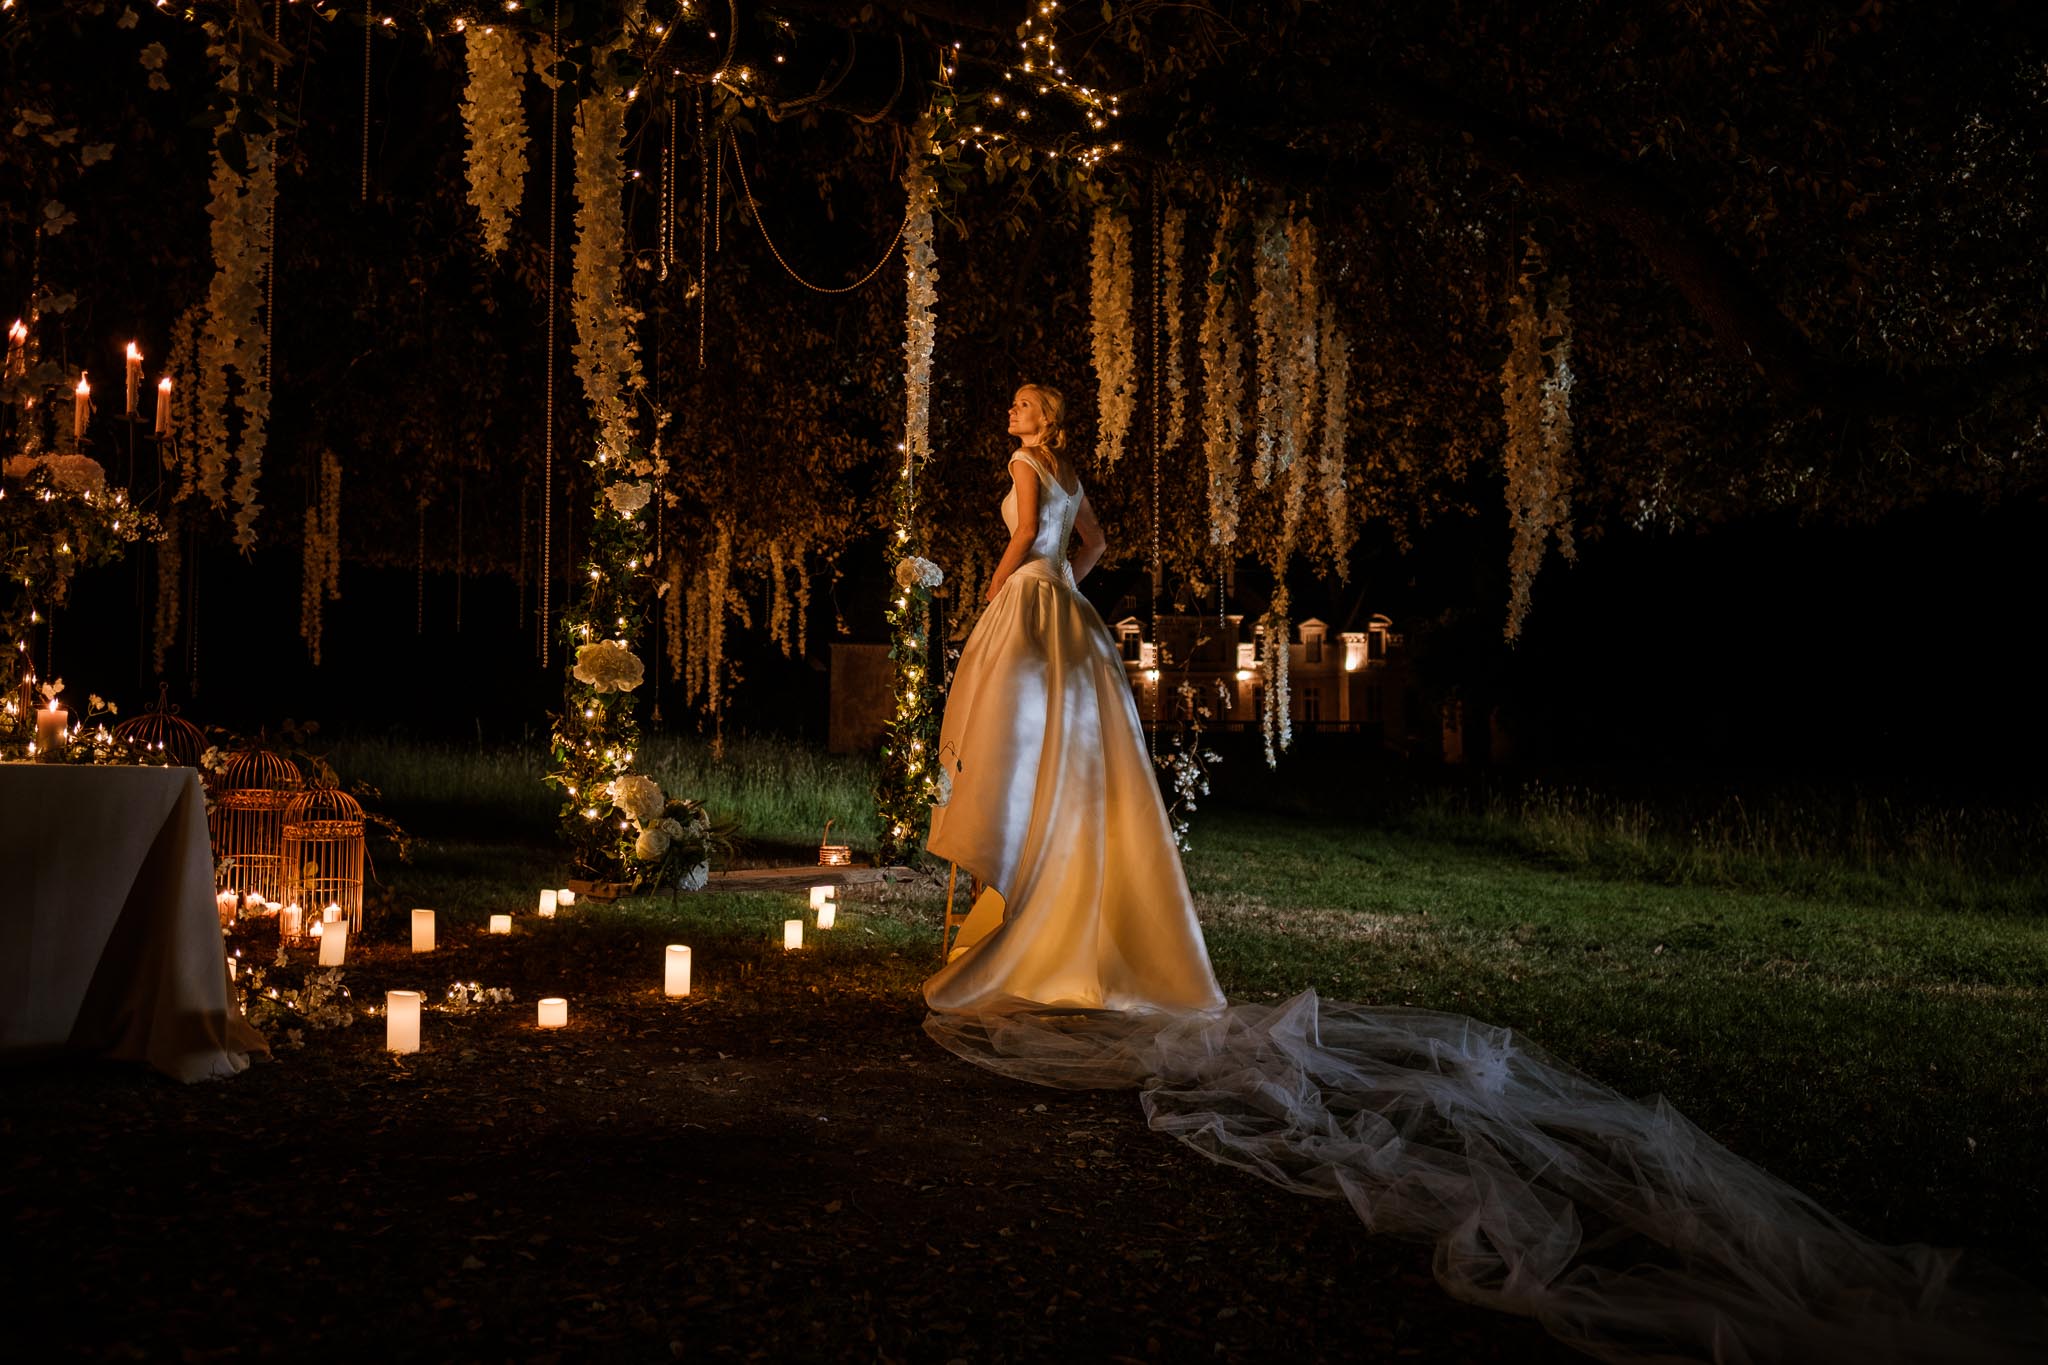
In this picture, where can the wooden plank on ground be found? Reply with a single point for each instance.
(798, 878)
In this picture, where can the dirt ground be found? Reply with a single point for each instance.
(775, 1171)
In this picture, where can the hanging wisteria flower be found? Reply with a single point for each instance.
(496, 122)
(640, 797)
(912, 571)
(628, 498)
(1223, 383)
(606, 351)
(1116, 359)
(1536, 384)
(608, 666)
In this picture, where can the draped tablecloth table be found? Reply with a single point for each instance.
(110, 937)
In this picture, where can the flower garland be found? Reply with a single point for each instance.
(1301, 378)
(1536, 402)
(233, 354)
(606, 352)
(1172, 243)
(182, 475)
(1276, 726)
(495, 117)
(1272, 296)
(1222, 382)
(1336, 353)
(907, 786)
(321, 580)
(1116, 359)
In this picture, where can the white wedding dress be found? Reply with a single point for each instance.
(1623, 1228)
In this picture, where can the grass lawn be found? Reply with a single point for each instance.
(783, 1164)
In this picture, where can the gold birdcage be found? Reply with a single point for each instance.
(163, 734)
(323, 853)
(247, 824)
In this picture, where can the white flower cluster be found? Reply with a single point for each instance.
(607, 666)
(921, 261)
(913, 572)
(1276, 726)
(495, 117)
(1336, 351)
(237, 336)
(1536, 384)
(68, 473)
(640, 797)
(1222, 382)
(628, 498)
(706, 596)
(607, 354)
(1116, 360)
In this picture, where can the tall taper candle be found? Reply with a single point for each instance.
(134, 376)
(163, 406)
(81, 408)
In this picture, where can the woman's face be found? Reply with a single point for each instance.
(1027, 416)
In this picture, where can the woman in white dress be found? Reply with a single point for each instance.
(1054, 806)
(1626, 1230)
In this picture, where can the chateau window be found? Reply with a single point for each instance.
(1133, 645)
(1311, 703)
(1314, 644)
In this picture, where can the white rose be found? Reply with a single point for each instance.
(651, 844)
(628, 498)
(914, 571)
(640, 797)
(608, 666)
(672, 828)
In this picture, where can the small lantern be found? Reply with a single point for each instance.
(565, 898)
(554, 1012)
(402, 1021)
(820, 897)
(792, 934)
(334, 943)
(323, 851)
(423, 931)
(501, 924)
(676, 976)
(247, 823)
(828, 915)
(548, 900)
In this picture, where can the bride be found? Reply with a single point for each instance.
(1627, 1231)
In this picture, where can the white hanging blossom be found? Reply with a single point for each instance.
(234, 346)
(1536, 403)
(1300, 382)
(321, 580)
(1336, 353)
(921, 261)
(1272, 302)
(607, 355)
(1222, 383)
(1172, 241)
(495, 117)
(1276, 726)
(1116, 359)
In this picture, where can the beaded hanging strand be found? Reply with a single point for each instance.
(1152, 433)
(703, 223)
(369, 32)
(547, 496)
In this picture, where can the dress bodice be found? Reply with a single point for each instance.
(1056, 508)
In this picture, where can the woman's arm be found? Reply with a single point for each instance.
(1026, 481)
(1093, 542)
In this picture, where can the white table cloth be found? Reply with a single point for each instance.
(110, 939)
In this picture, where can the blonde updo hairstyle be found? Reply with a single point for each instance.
(1055, 406)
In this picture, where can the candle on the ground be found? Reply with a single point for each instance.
(81, 408)
(334, 944)
(163, 406)
(828, 915)
(423, 931)
(52, 729)
(252, 905)
(288, 922)
(134, 375)
(554, 1012)
(820, 895)
(676, 978)
(547, 904)
(226, 902)
(331, 913)
(402, 1021)
(792, 934)
(501, 924)
(565, 898)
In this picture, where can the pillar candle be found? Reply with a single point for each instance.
(423, 931)
(52, 732)
(17, 349)
(820, 896)
(331, 913)
(163, 406)
(252, 906)
(792, 934)
(827, 915)
(565, 898)
(676, 977)
(134, 376)
(81, 408)
(226, 902)
(501, 924)
(402, 1021)
(548, 901)
(554, 1012)
(289, 924)
(334, 944)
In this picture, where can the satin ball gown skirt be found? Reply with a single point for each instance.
(1055, 807)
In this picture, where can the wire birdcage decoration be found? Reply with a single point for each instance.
(323, 853)
(160, 731)
(247, 823)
